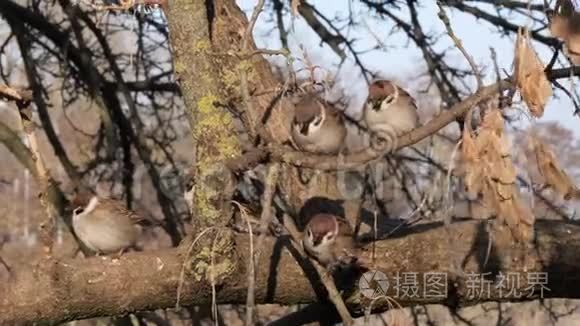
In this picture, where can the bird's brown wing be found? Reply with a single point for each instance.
(333, 113)
(118, 208)
(406, 94)
(344, 228)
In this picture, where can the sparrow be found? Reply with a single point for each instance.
(104, 225)
(318, 127)
(389, 111)
(566, 26)
(328, 240)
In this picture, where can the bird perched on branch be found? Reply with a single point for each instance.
(104, 225)
(329, 240)
(389, 112)
(318, 127)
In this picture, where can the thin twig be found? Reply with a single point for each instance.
(333, 293)
(282, 52)
(447, 198)
(185, 261)
(3, 262)
(128, 4)
(248, 107)
(502, 101)
(8, 269)
(443, 17)
(265, 218)
(214, 308)
(244, 84)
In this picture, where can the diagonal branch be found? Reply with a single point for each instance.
(334, 41)
(14, 144)
(365, 156)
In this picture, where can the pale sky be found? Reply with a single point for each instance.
(402, 63)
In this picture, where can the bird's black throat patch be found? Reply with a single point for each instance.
(304, 127)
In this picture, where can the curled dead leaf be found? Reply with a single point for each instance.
(554, 176)
(489, 173)
(531, 80)
(468, 148)
(518, 216)
(493, 121)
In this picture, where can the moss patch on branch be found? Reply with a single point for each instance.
(216, 259)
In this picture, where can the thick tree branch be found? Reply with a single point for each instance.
(81, 288)
(14, 144)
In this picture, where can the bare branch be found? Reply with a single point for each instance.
(357, 159)
(333, 41)
(443, 17)
(12, 141)
(266, 216)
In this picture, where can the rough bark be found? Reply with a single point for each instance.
(61, 290)
(207, 38)
(14, 144)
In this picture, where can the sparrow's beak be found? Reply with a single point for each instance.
(317, 240)
(304, 128)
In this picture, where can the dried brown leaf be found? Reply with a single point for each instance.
(554, 176)
(468, 148)
(491, 173)
(473, 177)
(530, 77)
(493, 121)
(517, 216)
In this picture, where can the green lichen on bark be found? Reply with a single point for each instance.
(216, 259)
(216, 142)
(232, 77)
(205, 77)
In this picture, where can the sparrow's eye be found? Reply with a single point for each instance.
(328, 236)
(309, 233)
(78, 210)
(389, 99)
(317, 121)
